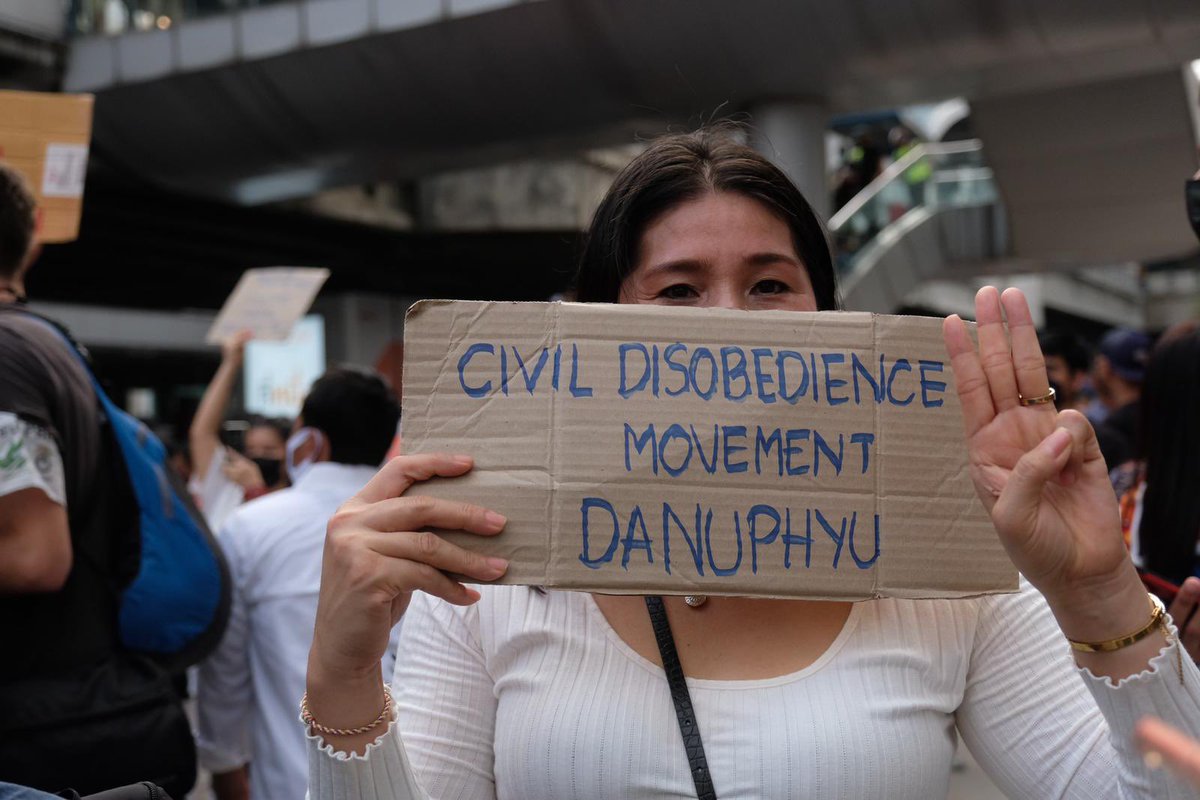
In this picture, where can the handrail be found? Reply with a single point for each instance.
(894, 170)
(86, 17)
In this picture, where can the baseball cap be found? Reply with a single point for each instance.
(1127, 351)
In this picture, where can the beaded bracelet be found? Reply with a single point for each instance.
(307, 717)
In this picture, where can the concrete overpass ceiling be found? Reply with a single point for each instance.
(993, 49)
(253, 108)
(1094, 174)
(398, 105)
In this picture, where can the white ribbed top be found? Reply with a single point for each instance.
(526, 696)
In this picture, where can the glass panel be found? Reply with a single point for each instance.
(114, 17)
(937, 175)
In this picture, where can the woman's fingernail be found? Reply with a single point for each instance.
(1153, 759)
(495, 520)
(463, 460)
(498, 564)
(1058, 441)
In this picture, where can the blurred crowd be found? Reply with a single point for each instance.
(83, 711)
(1141, 393)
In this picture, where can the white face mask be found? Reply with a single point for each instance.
(297, 440)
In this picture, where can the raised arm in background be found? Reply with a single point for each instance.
(204, 436)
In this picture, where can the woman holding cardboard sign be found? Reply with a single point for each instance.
(509, 692)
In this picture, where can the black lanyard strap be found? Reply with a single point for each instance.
(681, 698)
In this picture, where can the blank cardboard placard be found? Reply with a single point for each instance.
(649, 449)
(45, 137)
(268, 301)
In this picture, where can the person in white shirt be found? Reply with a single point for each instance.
(248, 688)
(223, 478)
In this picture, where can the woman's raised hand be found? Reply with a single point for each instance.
(1038, 472)
(233, 349)
(242, 471)
(377, 554)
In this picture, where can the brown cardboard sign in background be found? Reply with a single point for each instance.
(649, 449)
(45, 137)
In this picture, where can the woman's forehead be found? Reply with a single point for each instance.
(264, 434)
(716, 225)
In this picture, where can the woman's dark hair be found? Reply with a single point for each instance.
(1068, 346)
(681, 167)
(279, 425)
(1170, 408)
(357, 410)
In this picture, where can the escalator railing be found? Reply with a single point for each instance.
(931, 176)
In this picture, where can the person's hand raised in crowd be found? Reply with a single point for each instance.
(233, 349)
(1182, 612)
(1162, 744)
(1041, 477)
(377, 554)
(243, 471)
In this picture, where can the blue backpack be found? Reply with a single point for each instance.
(177, 605)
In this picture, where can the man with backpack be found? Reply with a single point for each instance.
(249, 688)
(80, 710)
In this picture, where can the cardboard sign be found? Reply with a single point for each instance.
(45, 137)
(268, 301)
(646, 449)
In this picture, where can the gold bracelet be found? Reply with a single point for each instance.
(307, 717)
(1158, 616)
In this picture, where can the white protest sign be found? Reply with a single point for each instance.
(66, 168)
(268, 301)
(278, 375)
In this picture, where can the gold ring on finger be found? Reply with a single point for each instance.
(1040, 400)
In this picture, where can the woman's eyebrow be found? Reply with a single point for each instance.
(686, 266)
(767, 258)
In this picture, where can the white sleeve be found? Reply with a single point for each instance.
(29, 459)
(224, 690)
(1040, 733)
(388, 662)
(445, 714)
(215, 494)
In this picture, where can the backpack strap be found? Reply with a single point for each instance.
(681, 698)
(80, 353)
(103, 409)
(109, 562)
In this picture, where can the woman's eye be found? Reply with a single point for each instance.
(771, 287)
(678, 291)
